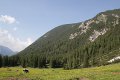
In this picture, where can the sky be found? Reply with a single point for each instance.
(24, 21)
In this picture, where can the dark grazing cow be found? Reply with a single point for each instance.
(26, 70)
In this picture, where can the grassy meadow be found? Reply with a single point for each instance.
(109, 72)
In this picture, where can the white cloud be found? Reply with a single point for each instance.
(7, 19)
(15, 29)
(8, 40)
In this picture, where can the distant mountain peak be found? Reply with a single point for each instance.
(5, 50)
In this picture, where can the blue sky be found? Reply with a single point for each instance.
(33, 18)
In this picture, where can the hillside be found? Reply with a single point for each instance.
(5, 51)
(94, 42)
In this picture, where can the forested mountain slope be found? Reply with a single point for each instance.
(90, 43)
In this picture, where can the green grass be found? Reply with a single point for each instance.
(109, 72)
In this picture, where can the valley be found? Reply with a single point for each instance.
(59, 39)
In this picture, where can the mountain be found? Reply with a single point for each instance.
(5, 51)
(90, 43)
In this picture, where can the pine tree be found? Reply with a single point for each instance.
(5, 61)
(1, 60)
(86, 58)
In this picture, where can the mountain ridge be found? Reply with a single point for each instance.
(6, 51)
(89, 43)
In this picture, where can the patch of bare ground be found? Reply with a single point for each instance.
(83, 78)
(116, 73)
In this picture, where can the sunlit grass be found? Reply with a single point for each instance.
(110, 72)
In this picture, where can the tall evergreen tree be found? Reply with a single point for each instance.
(1, 60)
